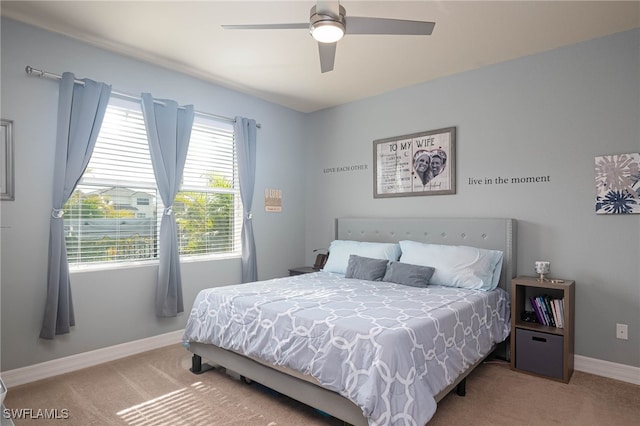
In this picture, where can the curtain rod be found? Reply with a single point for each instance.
(40, 73)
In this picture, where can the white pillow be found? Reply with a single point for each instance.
(456, 266)
(340, 250)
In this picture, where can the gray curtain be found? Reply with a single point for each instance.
(245, 136)
(81, 109)
(168, 131)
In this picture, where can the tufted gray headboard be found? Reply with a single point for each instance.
(487, 233)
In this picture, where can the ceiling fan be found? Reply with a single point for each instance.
(329, 22)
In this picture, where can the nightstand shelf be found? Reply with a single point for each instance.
(302, 270)
(538, 349)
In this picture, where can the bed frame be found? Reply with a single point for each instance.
(487, 233)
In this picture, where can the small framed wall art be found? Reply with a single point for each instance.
(6, 160)
(618, 183)
(417, 164)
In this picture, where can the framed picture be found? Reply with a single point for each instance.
(417, 164)
(618, 184)
(6, 160)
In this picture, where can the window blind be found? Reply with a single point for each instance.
(114, 213)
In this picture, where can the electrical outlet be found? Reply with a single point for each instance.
(622, 331)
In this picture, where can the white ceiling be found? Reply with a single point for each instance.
(282, 66)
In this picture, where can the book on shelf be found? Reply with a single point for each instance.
(548, 316)
(554, 309)
(561, 304)
(560, 310)
(548, 311)
(552, 317)
(536, 309)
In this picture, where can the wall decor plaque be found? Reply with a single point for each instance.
(618, 183)
(417, 164)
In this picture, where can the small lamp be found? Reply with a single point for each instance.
(542, 268)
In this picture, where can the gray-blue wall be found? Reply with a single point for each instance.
(116, 306)
(548, 114)
(544, 115)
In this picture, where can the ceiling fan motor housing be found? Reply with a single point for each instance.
(333, 26)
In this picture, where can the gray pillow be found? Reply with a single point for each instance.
(407, 274)
(365, 268)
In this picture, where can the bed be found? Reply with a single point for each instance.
(354, 348)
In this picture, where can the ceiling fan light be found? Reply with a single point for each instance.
(327, 31)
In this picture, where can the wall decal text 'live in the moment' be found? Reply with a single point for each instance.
(506, 180)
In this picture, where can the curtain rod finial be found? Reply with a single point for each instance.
(30, 70)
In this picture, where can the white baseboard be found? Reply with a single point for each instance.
(20, 376)
(622, 372)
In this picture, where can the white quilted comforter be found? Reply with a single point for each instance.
(389, 348)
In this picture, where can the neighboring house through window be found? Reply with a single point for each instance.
(114, 213)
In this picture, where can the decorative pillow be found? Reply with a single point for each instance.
(340, 250)
(407, 274)
(366, 268)
(456, 266)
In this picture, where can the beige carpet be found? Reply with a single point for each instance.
(156, 388)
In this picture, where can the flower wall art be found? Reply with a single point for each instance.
(618, 184)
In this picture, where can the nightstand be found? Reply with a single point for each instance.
(539, 349)
(302, 270)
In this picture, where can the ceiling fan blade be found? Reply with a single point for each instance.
(363, 25)
(297, 26)
(327, 56)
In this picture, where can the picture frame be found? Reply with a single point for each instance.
(6, 160)
(617, 179)
(421, 163)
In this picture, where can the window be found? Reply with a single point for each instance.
(114, 213)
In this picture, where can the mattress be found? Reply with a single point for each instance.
(387, 347)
